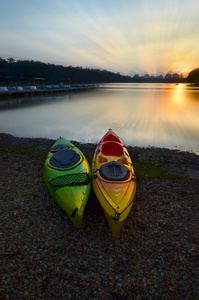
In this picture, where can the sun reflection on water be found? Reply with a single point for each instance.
(141, 114)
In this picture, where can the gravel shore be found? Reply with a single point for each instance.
(43, 256)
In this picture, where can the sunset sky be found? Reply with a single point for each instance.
(129, 36)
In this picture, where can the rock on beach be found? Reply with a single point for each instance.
(43, 256)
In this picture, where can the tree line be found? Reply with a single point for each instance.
(54, 74)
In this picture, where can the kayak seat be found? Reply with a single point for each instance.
(114, 171)
(64, 159)
(112, 149)
(58, 147)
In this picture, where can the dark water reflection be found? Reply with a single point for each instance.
(164, 115)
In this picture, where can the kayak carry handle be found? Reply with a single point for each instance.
(117, 217)
(74, 212)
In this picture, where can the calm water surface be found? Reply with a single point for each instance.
(163, 115)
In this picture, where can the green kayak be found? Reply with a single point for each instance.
(68, 179)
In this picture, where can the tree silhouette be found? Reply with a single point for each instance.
(193, 76)
(54, 74)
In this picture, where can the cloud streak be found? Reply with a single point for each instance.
(128, 37)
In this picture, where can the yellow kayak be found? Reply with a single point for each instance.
(113, 180)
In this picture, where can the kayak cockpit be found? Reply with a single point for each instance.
(112, 149)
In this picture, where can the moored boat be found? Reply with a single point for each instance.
(113, 180)
(67, 176)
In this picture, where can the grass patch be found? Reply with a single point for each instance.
(142, 169)
(156, 170)
(22, 151)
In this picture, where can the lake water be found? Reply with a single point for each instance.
(162, 115)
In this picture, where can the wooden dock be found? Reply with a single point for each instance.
(46, 91)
